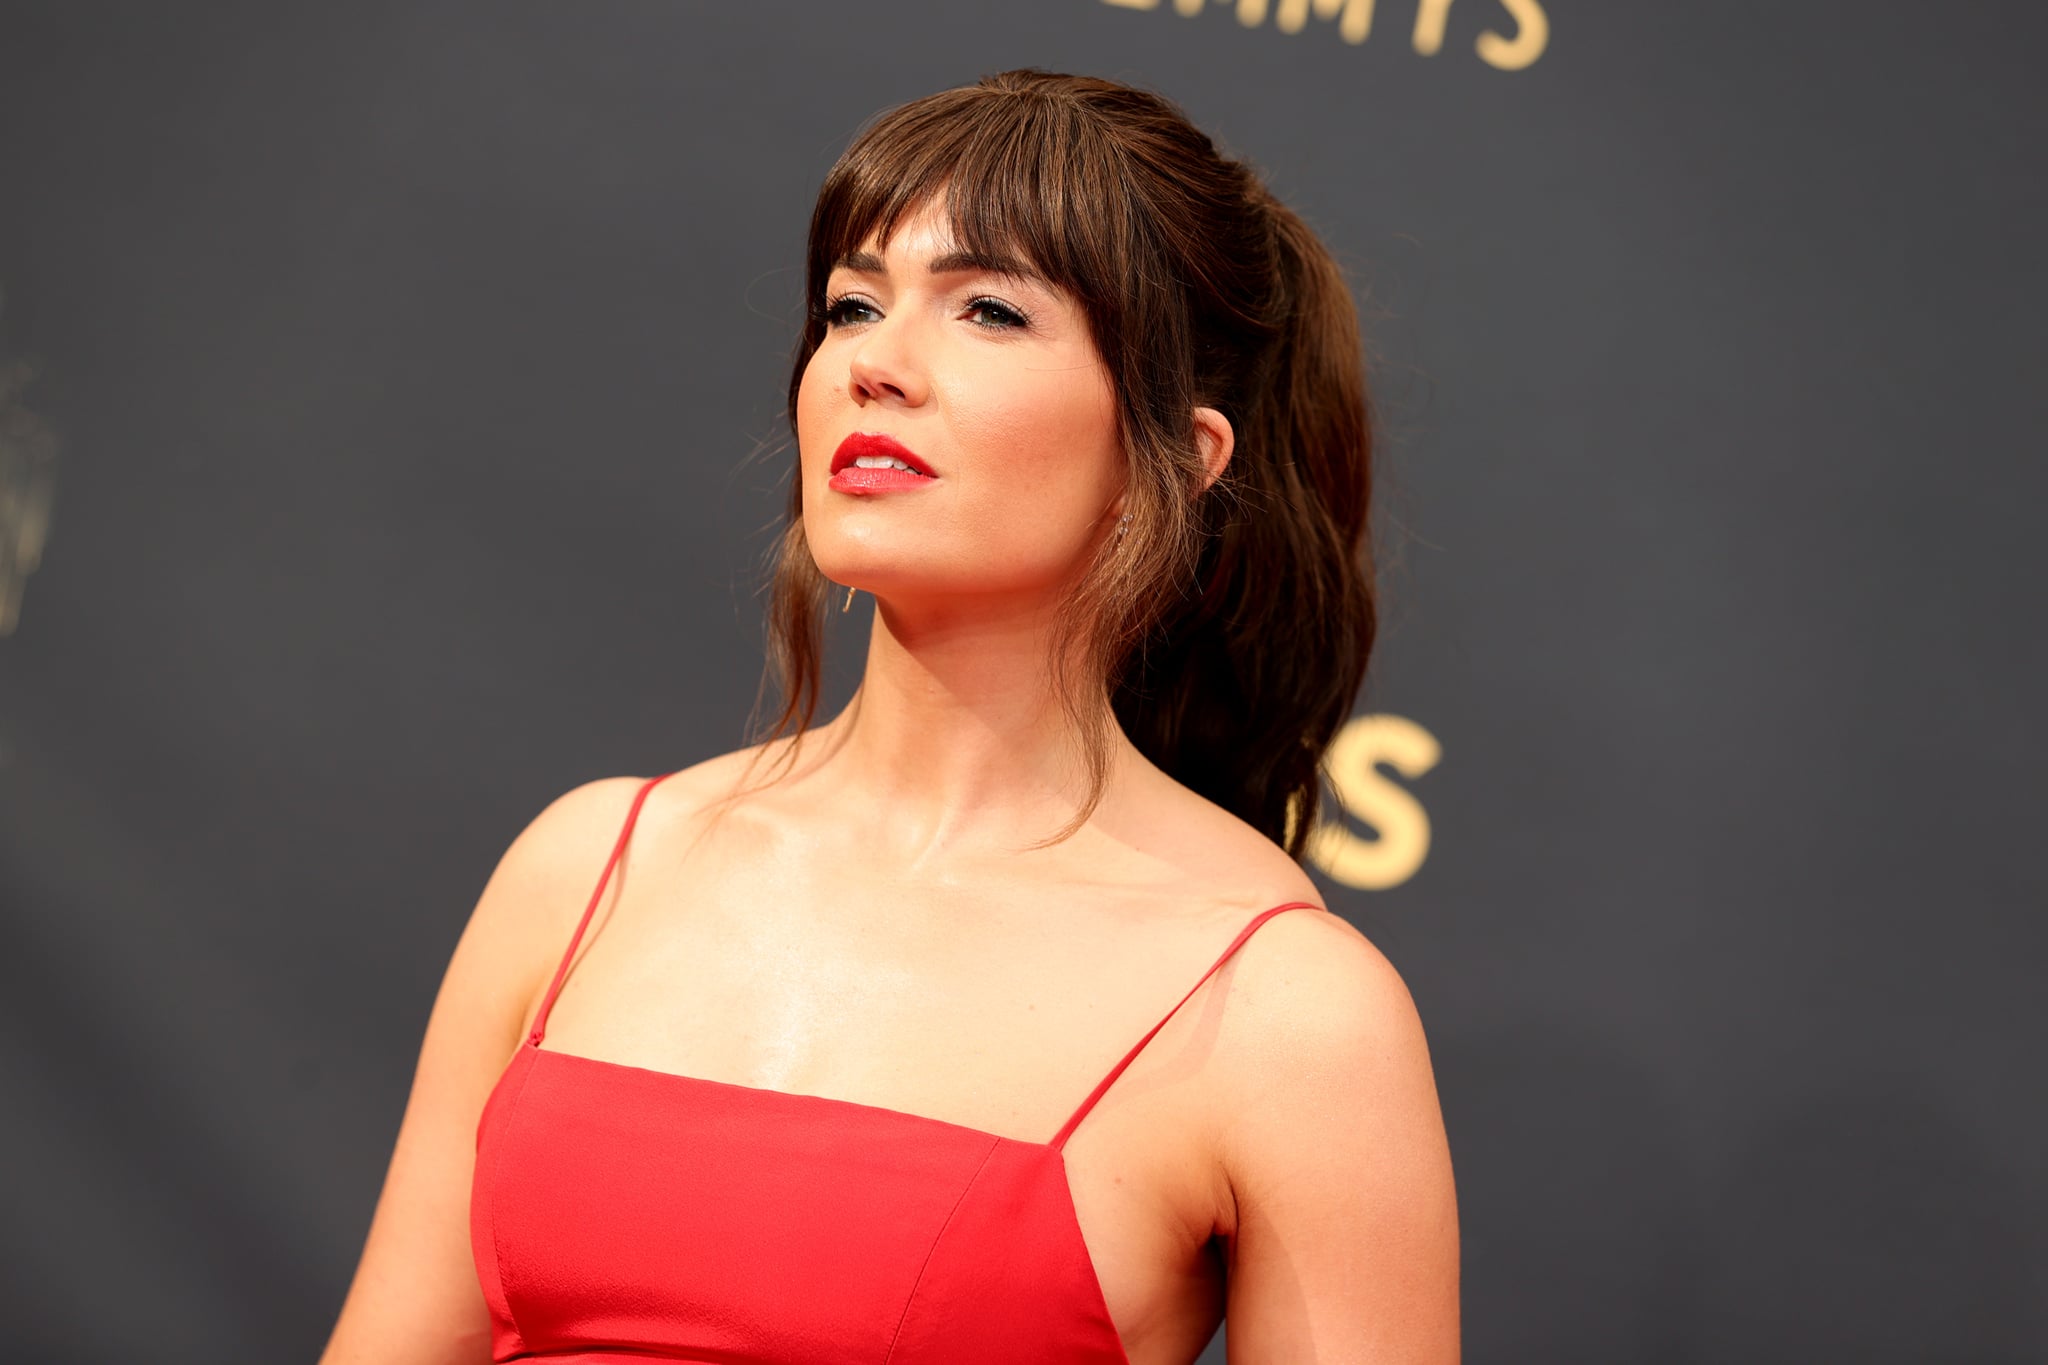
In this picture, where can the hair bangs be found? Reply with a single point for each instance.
(1020, 180)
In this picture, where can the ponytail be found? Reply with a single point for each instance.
(1238, 691)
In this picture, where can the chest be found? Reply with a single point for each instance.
(841, 1081)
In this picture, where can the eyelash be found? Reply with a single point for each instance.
(1017, 316)
(833, 314)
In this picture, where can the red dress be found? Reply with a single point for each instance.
(623, 1215)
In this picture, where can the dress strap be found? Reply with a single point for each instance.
(540, 1020)
(1066, 1130)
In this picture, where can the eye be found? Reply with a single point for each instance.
(995, 315)
(845, 310)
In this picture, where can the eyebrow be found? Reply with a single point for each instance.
(952, 262)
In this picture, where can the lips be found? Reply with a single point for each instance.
(889, 466)
(874, 445)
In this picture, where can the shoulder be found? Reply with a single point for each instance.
(1340, 1221)
(548, 873)
(567, 841)
(554, 867)
(587, 820)
(566, 845)
(1323, 1051)
(543, 880)
(1312, 975)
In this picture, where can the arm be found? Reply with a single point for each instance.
(415, 1298)
(1345, 1249)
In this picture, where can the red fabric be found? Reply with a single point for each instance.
(626, 1215)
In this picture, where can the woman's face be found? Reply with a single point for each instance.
(986, 380)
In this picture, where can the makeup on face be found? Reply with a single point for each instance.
(875, 462)
(937, 366)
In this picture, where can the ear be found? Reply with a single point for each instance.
(1215, 440)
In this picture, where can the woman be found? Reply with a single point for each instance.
(1082, 407)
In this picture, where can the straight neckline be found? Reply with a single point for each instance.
(925, 1119)
(762, 1095)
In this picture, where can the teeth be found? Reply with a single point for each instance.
(880, 462)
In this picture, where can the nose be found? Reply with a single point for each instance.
(884, 367)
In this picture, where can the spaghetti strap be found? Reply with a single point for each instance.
(1066, 1130)
(540, 1019)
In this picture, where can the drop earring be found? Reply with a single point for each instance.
(847, 605)
(1123, 524)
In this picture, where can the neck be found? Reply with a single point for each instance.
(957, 731)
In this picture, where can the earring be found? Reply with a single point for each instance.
(1123, 524)
(847, 605)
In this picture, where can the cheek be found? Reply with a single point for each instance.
(814, 406)
(1048, 446)
(1051, 433)
(811, 393)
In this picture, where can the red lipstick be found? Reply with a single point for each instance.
(884, 470)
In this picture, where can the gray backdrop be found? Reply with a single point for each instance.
(402, 363)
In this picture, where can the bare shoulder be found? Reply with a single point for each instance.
(704, 786)
(1342, 1225)
(552, 867)
(547, 875)
(1311, 1000)
(561, 849)
(567, 843)
(1319, 1030)
(1312, 977)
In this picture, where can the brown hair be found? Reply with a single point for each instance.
(1229, 629)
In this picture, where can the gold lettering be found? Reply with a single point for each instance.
(1354, 16)
(1430, 18)
(1354, 23)
(1531, 37)
(1532, 33)
(1365, 795)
